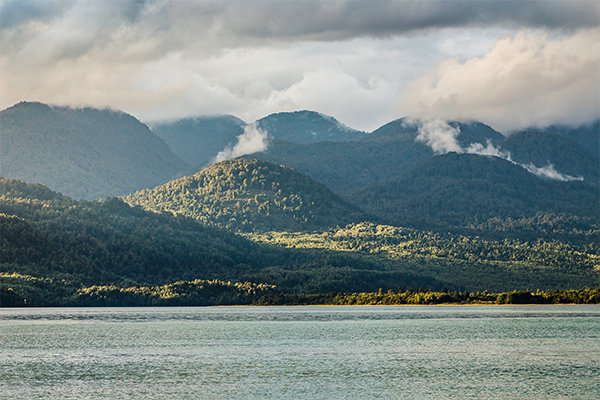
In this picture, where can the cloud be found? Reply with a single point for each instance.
(441, 137)
(162, 60)
(533, 78)
(549, 172)
(438, 135)
(251, 141)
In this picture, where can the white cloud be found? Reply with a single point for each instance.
(160, 59)
(442, 138)
(532, 78)
(549, 172)
(251, 141)
(437, 134)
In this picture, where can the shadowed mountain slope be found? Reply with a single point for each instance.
(84, 153)
(462, 189)
(198, 140)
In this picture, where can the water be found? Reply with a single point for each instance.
(520, 352)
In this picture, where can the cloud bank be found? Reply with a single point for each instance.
(526, 80)
(363, 62)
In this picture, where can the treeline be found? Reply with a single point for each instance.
(428, 297)
(21, 291)
(215, 292)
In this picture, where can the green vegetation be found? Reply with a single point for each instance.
(62, 245)
(470, 262)
(22, 291)
(467, 191)
(381, 156)
(307, 127)
(565, 155)
(84, 153)
(249, 195)
(427, 297)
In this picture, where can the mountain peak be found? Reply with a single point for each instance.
(250, 195)
(307, 127)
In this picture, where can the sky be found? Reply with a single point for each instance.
(509, 64)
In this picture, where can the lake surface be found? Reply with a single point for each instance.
(477, 352)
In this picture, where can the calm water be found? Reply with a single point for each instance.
(544, 352)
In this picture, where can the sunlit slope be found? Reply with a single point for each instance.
(250, 195)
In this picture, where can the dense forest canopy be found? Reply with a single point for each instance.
(250, 195)
(84, 153)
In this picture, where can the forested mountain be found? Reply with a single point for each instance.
(198, 140)
(250, 195)
(85, 153)
(307, 127)
(459, 190)
(385, 154)
(565, 155)
(587, 135)
(469, 132)
(56, 250)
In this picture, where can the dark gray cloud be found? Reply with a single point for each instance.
(320, 20)
(335, 20)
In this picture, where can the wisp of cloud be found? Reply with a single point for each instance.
(251, 141)
(441, 137)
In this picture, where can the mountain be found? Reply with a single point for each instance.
(469, 132)
(49, 235)
(85, 153)
(385, 154)
(587, 135)
(546, 149)
(59, 251)
(198, 140)
(250, 195)
(455, 190)
(307, 127)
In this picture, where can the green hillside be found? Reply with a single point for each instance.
(84, 153)
(385, 154)
(57, 251)
(462, 190)
(543, 149)
(587, 135)
(250, 195)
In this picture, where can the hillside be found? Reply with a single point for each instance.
(587, 135)
(565, 155)
(198, 140)
(58, 251)
(385, 154)
(469, 132)
(307, 127)
(458, 190)
(250, 195)
(84, 153)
